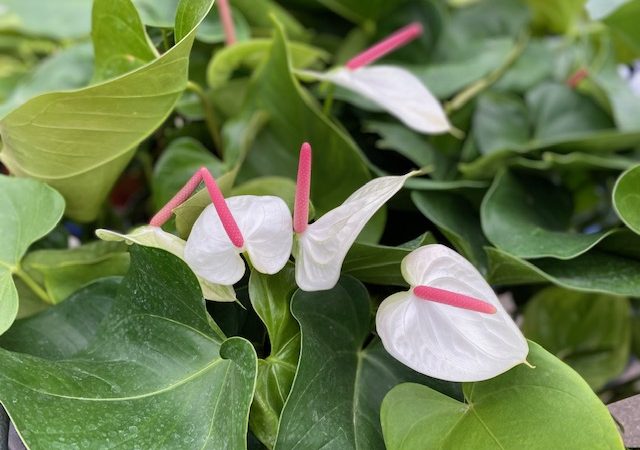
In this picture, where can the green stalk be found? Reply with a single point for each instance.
(35, 287)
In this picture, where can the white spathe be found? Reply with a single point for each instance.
(322, 247)
(150, 236)
(443, 341)
(265, 223)
(397, 91)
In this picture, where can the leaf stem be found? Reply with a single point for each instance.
(213, 124)
(460, 100)
(35, 287)
(328, 100)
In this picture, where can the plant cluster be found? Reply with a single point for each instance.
(403, 224)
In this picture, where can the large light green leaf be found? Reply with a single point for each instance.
(79, 141)
(336, 395)
(591, 333)
(156, 374)
(595, 271)
(62, 272)
(529, 409)
(530, 217)
(626, 198)
(61, 19)
(119, 39)
(455, 217)
(30, 210)
(270, 298)
(294, 119)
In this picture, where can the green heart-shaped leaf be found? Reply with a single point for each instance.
(546, 407)
(30, 210)
(156, 374)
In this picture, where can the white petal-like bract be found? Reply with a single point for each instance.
(443, 341)
(150, 236)
(397, 91)
(266, 226)
(322, 247)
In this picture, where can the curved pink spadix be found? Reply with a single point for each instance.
(183, 194)
(228, 222)
(227, 21)
(303, 190)
(454, 299)
(401, 37)
(226, 218)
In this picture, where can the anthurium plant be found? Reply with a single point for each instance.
(301, 224)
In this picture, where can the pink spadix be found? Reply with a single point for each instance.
(401, 37)
(226, 218)
(227, 21)
(303, 190)
(453, 299)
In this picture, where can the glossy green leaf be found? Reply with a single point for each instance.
(62, 272)
(30, 210)
(455, 218)
(546, 407)
(594, 271)
(294, 119)
(156, 373)
(80, 141)
(339, 385)
(68, 328)
(626, 198)
(589, 332)
(179, 161)
(119, 39)
(62, 19)
(529, 217)
(270, 298)
(380, 264)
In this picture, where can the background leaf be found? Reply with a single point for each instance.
(589, 332)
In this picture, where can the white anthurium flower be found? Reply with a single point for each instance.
(322, 246)
(395, 90)
(450, 324)
(265, 226)
(152, 236)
